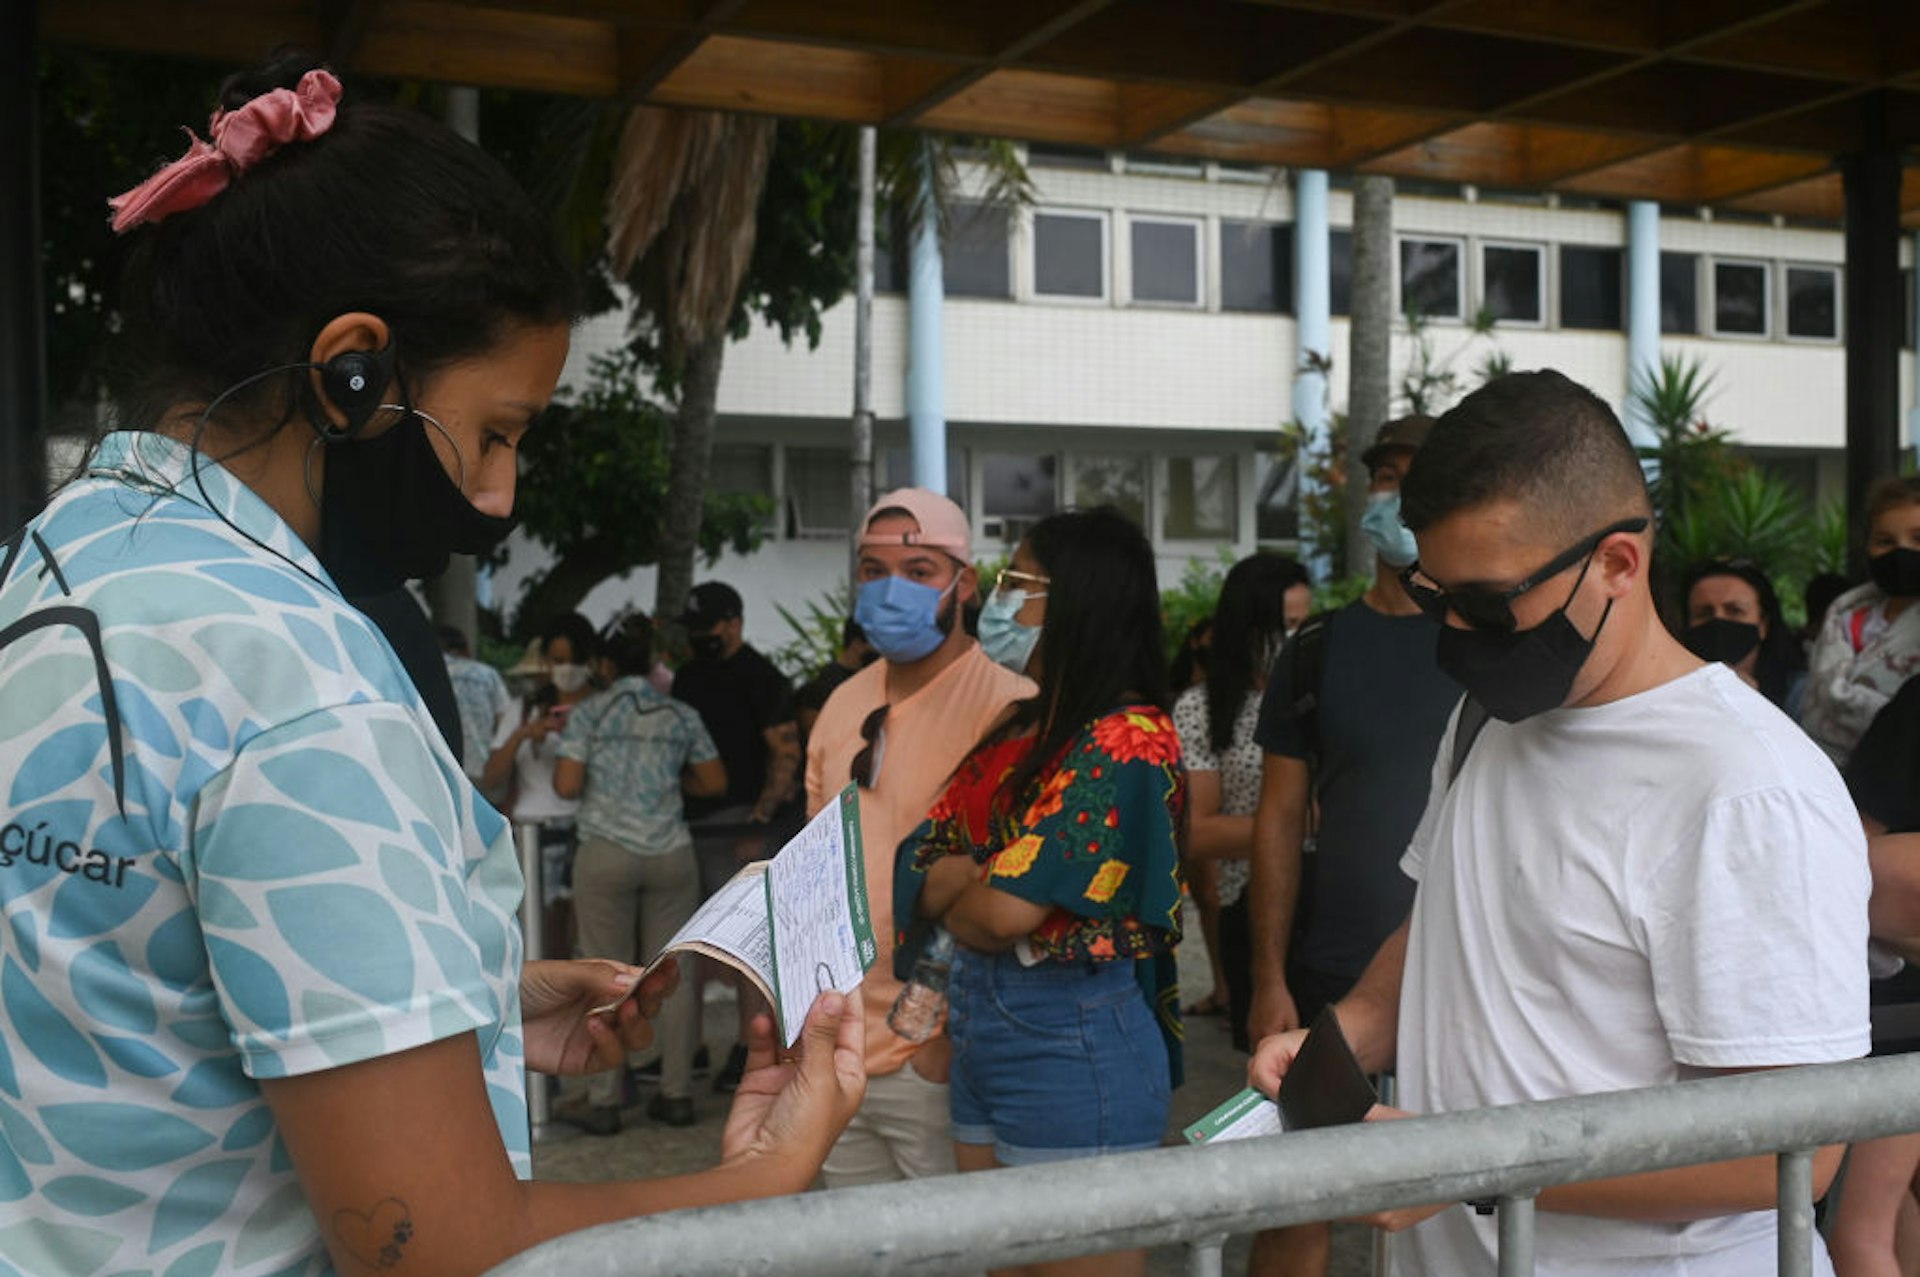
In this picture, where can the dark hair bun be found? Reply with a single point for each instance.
(282, 69)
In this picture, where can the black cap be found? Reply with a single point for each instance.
(1404, 433)
(710, 604)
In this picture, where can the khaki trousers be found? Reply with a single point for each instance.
(613, 890)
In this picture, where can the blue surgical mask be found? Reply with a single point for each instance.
(1006, 641)
(1390, 537)
(901, 617)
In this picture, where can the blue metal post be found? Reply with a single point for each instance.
(1643, 311)
(1313, 328)
(926, 354)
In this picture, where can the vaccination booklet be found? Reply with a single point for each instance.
(796, 925)
(1325, 1086)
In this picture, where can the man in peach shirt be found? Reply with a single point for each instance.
(899, 728)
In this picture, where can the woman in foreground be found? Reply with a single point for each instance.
(266, 1010)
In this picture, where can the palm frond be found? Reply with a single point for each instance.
(682, 211)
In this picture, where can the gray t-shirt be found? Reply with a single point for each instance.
(1382, 706)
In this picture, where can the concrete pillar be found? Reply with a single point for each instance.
(1313, 328)
(1643, 313)
(1872, 182)
(23, 439)
(926, 353)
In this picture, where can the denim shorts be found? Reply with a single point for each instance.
(1054, 1061)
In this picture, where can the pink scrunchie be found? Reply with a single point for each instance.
(241, 139)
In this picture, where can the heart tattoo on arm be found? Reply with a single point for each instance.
(376, 1237)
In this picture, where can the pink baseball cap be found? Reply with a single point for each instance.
(943, 525)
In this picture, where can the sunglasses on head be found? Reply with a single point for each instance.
(866, 762)
(1493, 609)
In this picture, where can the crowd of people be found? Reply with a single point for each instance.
(1526, 831)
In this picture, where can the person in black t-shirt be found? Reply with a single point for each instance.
(855, 654)
(1359, 742)
(747, 706)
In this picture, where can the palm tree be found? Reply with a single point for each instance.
(682, 210)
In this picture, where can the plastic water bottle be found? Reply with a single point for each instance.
(916, 1012)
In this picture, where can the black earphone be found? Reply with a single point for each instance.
(357, 383)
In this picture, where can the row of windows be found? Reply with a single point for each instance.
(1197, 498)
(1440, 277)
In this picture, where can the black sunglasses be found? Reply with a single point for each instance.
(1493, 609)
(864, 763)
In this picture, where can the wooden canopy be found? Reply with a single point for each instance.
(1747, 103)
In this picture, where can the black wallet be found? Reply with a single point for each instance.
(1325, 1085)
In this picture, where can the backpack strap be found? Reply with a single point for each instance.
(1306, 657)
(1473, 717)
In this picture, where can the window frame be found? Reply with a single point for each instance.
(1101, 217)
(1459, 242)
(1281, 234)
(1838, 275)
(1068, 484)
(1768, 297)
(1560, 323)
(1198, 225)
(1542, 291)
(978, 208)
(1163, 503)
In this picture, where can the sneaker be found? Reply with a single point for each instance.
(672, 1110)
(728, 1078)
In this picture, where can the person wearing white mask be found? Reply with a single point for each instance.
(525, 748)
(898, 728)
(1353, 712)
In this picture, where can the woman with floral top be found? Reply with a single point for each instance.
(1053, 860)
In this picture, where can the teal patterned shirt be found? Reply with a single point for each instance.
(232, 847)
(635, 743)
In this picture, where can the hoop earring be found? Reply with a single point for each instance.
(460, 480)
(306, 469)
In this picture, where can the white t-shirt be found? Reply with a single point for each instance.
(1611, 896)
(533, 793)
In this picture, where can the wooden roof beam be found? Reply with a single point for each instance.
(1698, 174)
(646, 56)
(467, 44)
(229, 31)
(1302, 134)
(346, 26)
(1062, 17)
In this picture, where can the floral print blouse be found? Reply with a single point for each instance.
(1098, 842)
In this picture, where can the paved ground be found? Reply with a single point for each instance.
(644, 1148)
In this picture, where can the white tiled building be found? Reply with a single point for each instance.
(1129, 338)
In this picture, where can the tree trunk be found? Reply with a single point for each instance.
(1369, 349)
(450, 598)
(567, 582)
(687, 474)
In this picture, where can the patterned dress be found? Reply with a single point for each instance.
(233, 846)
(1098, 841)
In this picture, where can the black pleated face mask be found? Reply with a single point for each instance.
(1722, 640)
(390, 513)
(1896, 571)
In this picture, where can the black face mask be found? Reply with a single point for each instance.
(1722, 640)
(707, 647)
(1896, 571)
(390, 513)
(1516, 674)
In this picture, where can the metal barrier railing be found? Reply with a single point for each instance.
(526, 841)
(1200, 1196)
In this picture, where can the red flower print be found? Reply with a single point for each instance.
(1138, 734)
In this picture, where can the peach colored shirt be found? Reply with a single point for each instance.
(924, 739)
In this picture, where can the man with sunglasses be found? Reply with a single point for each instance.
(1350, 720)
(1643, 872)
(899, 728)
